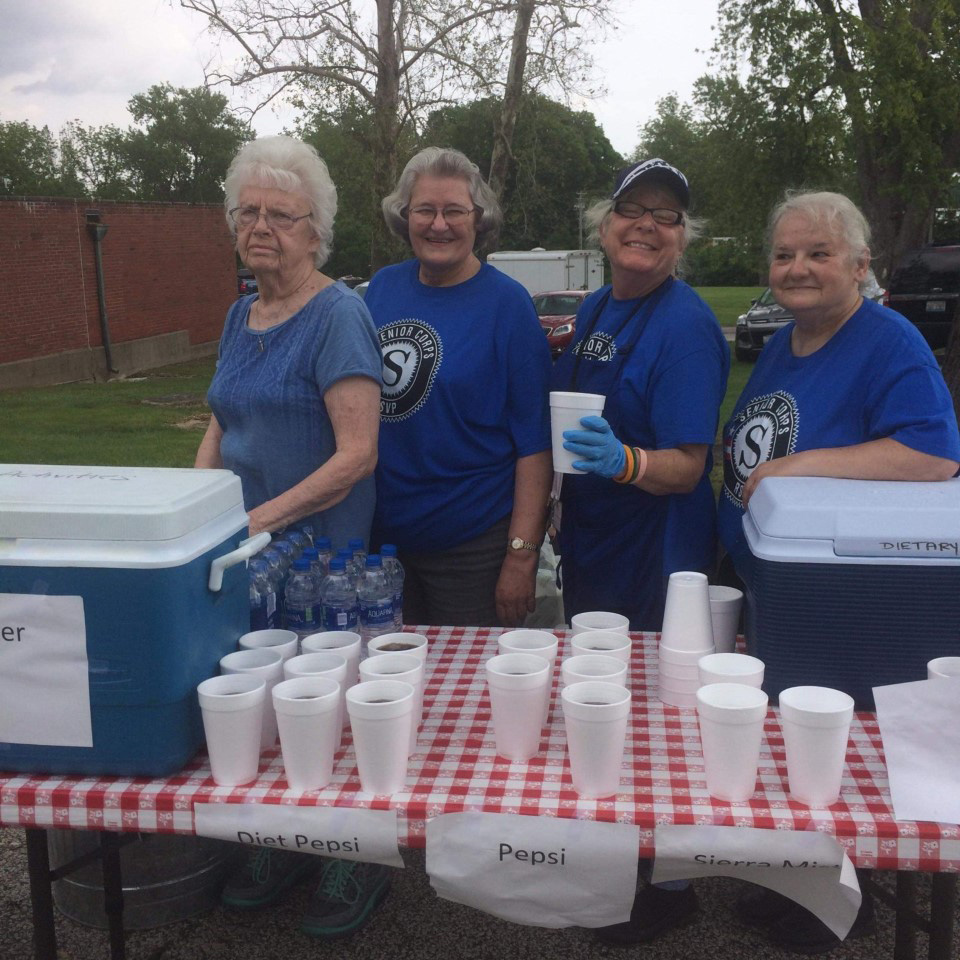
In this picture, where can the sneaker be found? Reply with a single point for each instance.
(264, 875)
(347, 894)
(655, 912)
(799, 931)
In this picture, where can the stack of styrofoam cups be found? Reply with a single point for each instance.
(308, 717)
(730, 668)
(599, 620)
(566, 411)
(285, 642)
(324, 663)
(267, 663)
(542, 643)
(587, 666)
(943, 667)
(344, 642)
(595, 715)
(816, 725)
(686, 636)
(725, 604)
(606, 643)
(519, 688)
(731, 731)
(399, 666)
(381, 712)
(414, 644)
(232, 709)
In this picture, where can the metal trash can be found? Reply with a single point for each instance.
(166, 878)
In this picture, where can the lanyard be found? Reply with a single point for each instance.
(643, 310)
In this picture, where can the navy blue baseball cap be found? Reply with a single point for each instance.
(654, 171)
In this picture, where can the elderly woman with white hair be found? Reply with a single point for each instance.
(849, 389)
(464, 472)
(296, 393)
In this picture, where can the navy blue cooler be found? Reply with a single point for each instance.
(128, 559)
(852, 583)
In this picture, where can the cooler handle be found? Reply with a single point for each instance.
(246, 550)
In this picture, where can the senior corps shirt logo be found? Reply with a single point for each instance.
(598, 346)
(766, 428)
(411, 352)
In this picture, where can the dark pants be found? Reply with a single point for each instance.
(456, 587)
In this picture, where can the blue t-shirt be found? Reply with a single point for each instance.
(669, 393)
(874, 378)
(267, 396)
(465, 394)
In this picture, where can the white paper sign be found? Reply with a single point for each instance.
(369, 836)
(44, 686)
(541, 871)
(920, 726)
(810, 868)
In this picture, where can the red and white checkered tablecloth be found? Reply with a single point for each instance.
(455, 769)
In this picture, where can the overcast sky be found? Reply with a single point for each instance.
(82, 60)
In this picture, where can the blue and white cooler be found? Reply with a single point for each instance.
(120, 589)
(853, 583)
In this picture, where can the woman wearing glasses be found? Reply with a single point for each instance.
(644, 507)
(295, 396)
(464, 470)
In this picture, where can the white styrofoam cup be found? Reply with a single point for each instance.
(519, 687)
(566, 410)
(308, 711)
(265, 662)
(595, 715)
(232, 709)
(381, 712)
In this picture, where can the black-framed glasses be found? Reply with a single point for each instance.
(453, 215)
(634, 211)
(275, 219)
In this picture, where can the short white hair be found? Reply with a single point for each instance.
(285, 163)
(839, 214)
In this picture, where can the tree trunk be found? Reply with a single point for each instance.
(386, 131)
(507, 121)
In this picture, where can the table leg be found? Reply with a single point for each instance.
(110, 844)
(41, 895)
(943, 900)
(905, 932)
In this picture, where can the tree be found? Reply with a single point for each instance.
(30, 163)
(184, 145)
(890, 72)
(97, 158)
(415, 57)
(558, 154)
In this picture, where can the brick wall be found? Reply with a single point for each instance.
(168, 268)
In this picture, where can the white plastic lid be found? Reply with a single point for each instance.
(112, 503)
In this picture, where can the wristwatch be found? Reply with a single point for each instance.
(517, 543)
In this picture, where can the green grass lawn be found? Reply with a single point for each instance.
(158, 418)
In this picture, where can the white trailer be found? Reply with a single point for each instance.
(541, 270)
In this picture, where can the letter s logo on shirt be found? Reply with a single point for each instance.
(411, 352)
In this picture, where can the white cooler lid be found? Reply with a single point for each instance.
(112, 503)
(856, 518)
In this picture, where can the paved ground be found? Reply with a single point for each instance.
(413, 924)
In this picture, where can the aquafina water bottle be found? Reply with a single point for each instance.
(376, 602)
(339, 598)
(394, 571)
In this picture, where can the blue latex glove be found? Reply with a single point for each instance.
(600, 451)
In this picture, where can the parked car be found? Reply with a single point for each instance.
(765, 317)
(755, 327)
(246, 282)
(925, 288)
(558, 314)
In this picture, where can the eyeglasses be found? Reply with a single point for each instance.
(634, 211)
(274, 219)
(452, 215)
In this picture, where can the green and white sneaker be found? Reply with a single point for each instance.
(345, 898)
(264, 875)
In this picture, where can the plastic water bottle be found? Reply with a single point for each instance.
(393, 568)
(263, 596)
(307, 530)
(359, 554)
(376, 602)
(277, 571)
(288, 554)
(339, 598)
(298, 540)
(324, 553)
(302, 600)
(346, 556)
